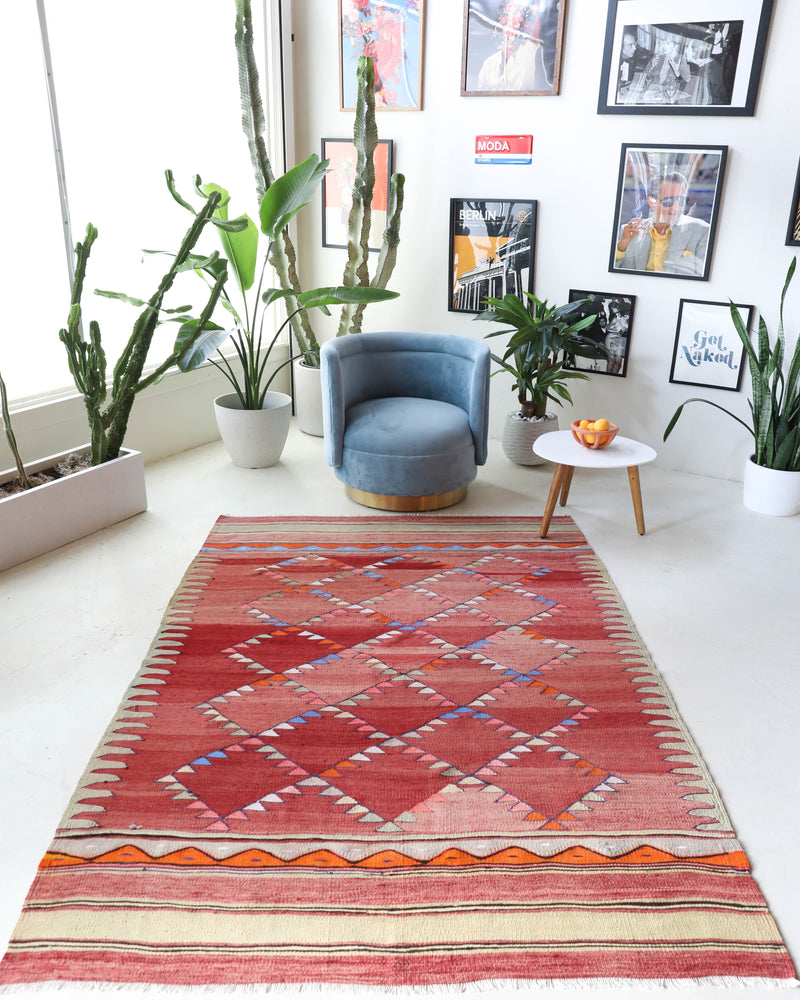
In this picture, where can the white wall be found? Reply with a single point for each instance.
(573, 176)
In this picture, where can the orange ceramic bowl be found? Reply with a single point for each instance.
(596, 439)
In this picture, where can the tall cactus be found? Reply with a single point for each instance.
(282, 254)
(365, 137)
(87, 359)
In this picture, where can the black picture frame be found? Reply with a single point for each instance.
(492, 250)
(708, 351)
(672, 188)
(491, 67)
(613, 327)
(793, 227)
(337, 186)
(683, 57)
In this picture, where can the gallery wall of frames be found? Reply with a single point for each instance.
(578, 150)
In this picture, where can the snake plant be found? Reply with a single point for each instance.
(775, 402)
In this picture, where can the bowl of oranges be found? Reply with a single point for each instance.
(594, 433)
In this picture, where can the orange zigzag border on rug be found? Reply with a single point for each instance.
(450, 858)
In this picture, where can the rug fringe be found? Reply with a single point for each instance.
(440, 989)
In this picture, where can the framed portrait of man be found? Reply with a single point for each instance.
(666, 213)
(512, 48)
(492, 244)
(683, 57)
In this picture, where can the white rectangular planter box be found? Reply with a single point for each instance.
(44, 518)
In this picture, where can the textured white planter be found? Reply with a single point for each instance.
(520, 432)
(771, 491)
(308, 399)
(49, 516)
(254, 438)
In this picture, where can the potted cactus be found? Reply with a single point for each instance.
(64, 497)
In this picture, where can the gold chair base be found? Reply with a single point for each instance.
(384, 501)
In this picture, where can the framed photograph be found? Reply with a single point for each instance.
(667, 206)
(612, 326)
(683, 57)
(793, 229)
(707, 350)
(512, 48)
(337, 191)
(393, 35)
(491, 251)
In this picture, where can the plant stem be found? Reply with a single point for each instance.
(12, 441)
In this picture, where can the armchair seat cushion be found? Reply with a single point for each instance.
(403, 444)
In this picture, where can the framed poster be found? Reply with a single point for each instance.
(707, 349)
(612, 327)
(337, 191)
(666, 213)
(683, 57)
(511, 48)
(392, 34)
(793, 229)
(491, 250)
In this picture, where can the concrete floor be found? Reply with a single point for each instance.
(712, 587)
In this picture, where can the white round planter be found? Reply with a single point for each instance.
(520, 432)
(771, 491)
(254, 438)
(308, 398)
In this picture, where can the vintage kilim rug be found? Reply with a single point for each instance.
(398, 751)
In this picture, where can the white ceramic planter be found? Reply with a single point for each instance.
(308, 399)
(254, 438)
(51, 515)
(520, 432)
(771, 491)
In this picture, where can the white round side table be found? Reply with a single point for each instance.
(562, 448)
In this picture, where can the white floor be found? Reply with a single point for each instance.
(713, 588)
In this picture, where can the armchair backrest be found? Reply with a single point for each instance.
(440, 366)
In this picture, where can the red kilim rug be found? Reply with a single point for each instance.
(396, 751)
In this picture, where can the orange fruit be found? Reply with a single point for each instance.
(583, 424)
(602, 424)
(589, 438)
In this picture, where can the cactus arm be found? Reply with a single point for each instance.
(391, 239)
(11, 438)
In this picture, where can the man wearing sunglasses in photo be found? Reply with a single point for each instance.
(668, 241)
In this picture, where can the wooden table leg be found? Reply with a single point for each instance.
(636, 494)
(567, 482)
(562, 471)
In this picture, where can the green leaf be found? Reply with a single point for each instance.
(289, 193)
(334, 295)
(200, 347)
(275, 294)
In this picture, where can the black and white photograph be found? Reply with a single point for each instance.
(612, 327)
(667, 207)
(491, 251)
(512, 48)
(707, 349)
(793, 228)
(702, 57)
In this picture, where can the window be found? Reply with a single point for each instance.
(140, 88)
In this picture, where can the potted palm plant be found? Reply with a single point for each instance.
(772, 471)
(253, 419)
(543, 338)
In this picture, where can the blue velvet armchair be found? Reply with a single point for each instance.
(405, 416)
